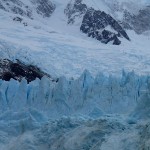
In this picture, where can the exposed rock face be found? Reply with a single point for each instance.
(96, 23)
(18, 71)
(75, 10)
(16, 7)
(17, 19)
(20, 20)
(140, 22)
(44, 8)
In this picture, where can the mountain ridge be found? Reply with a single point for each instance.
(33, 9)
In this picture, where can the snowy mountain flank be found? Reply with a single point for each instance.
(74, 75)
(96, 23)
(28, 8)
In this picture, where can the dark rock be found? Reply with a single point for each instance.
(2, 7)
(16, 7)
(17, 10)
(75, 10)
(7, 76)
(108, 36)
(25, 24)
(45, 8)
(95, 23)
(116, 41)
(42, 7)
(18, 19)
(18, 71)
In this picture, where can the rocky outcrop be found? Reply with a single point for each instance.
(44, 8)
(18, 70)
(138, 22)
(20, 20)
(96, 23)
(103, 27)
(16, 7)
(75, 10)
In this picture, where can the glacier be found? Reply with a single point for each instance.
(105, 112)
(87, 96)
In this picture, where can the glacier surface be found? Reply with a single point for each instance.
(86, 113)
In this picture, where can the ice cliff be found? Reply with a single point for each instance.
(85, 96)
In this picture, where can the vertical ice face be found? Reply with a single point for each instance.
(3, 96)
(85, 95)
(142, 110)
(21, 96)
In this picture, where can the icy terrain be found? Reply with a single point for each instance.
(104, 108)
(86, 113)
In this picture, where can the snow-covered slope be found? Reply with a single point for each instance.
(50, 43)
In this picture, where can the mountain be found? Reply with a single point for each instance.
(105, 29)
(46, 35)
(74, 75)
(28, 8)
(139, 23)
(96, 23)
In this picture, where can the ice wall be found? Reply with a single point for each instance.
(85, 95)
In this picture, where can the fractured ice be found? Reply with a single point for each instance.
(78, 114)
(85, 96)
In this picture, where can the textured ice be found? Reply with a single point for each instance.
(86, 95)
(68, 133)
